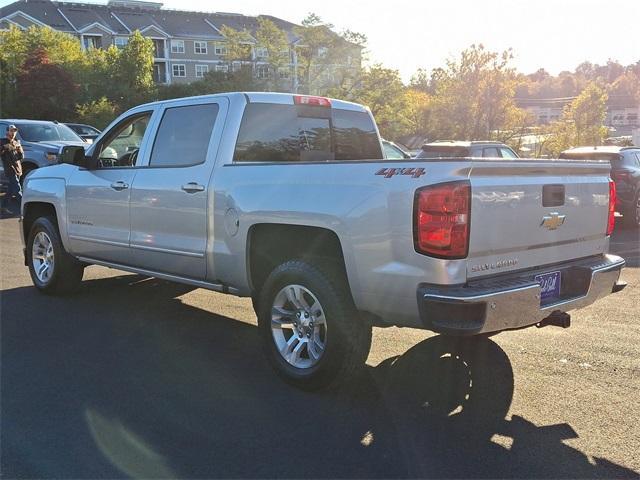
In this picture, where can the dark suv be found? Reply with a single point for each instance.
(451, 149)
(625, 172)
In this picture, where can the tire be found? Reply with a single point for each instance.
(631, 216)
(321, 355)
(56, 272)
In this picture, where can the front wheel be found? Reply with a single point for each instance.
(52, 269)
(312, 333)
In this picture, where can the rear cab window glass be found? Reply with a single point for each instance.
(290, 133)
(355, 136)
(183, 136)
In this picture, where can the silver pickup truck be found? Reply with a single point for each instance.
(287, 199)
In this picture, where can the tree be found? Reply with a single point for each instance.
(327, 60)
(276, 46)
(473, 97)
(382, 91)
(134, 74)
(98, 113)
(45, 90)
(581, 122)
(238, 44)
(417, 112)
(17, 45)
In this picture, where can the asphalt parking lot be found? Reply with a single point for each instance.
(135, 377)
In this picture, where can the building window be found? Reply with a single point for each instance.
(284, 72)
(262, 52)
(121, 42)
(177, 46)
(201, 70)
(322, 52)
(220, 49)
(179, 70)
(262, 72)
(222, 68)
(92, 42)
(200, 47)
(158, 48)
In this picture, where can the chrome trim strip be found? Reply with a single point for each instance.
(167, 250)
(480, 297)
(172, 278)
(98, 240)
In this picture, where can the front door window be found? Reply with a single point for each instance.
(121, 147)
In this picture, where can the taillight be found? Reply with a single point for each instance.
(442, 216)
(611, 222)
(309, 100)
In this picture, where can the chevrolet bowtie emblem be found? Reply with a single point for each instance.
(553, 220)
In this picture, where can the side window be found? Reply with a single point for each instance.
(637, 159)
(268, 133)
(355, 136)
(183, 136)
(3, 130)
(121, 146)
(507, 153)
(491, 152)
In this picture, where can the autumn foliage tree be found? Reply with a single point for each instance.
(45, 89)
(581, 123)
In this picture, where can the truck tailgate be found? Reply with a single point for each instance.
(529, 213)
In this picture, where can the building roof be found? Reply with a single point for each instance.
(43, 11)
(123, 17)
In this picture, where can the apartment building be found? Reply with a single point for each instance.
(187, 44)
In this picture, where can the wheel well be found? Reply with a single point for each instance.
(35, 210)
(269, 245)
(29, 166)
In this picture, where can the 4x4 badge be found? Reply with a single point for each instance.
(553, 220)
(412, 172)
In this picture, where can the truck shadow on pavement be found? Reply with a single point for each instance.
(124, 379)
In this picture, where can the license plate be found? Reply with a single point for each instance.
(549, 285)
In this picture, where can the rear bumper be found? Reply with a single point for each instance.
(513, 301)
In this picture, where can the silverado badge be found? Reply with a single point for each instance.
(553, 220)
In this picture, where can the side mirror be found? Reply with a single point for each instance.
(74, 155)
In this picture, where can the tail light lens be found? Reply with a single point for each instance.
(611, 222)
(442, 215)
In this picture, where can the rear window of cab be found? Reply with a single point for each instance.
(293, 133)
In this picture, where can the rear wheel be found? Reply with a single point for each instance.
(312, 333)
(52, 269)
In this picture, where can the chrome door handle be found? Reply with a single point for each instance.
(120, 185)
(192, 187)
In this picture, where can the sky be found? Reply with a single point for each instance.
(406, 35)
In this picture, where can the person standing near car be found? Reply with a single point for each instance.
(12, 155)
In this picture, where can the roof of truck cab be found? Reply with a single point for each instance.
(262, 97)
